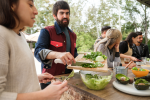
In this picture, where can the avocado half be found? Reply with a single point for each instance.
(122, 79)
(141, 84)
(147, 78)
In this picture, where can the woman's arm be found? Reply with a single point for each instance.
(127, 56)
(52, 92)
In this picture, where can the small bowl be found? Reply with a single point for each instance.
(140, 73)
(96, 84)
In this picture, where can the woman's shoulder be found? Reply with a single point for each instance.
(3, 28)
(101, 47)
(123, 43)
(4, 32)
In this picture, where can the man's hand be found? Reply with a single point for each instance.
(66, 57)
(45, 77)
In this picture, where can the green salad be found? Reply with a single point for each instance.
(91, 65)
(96, 82)
(93, 56)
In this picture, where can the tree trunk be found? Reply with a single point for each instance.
(146, 40)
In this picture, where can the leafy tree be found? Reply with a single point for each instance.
(137, 17)
(44, 17)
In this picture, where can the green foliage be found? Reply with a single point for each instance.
(137, 17)
(84, 42)
(44, 17)
(87, 23)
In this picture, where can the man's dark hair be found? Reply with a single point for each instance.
(129, 38)
(105, 28)
(139, 33)
(7, 15)
(60, 5)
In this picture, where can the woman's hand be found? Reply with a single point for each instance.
(133, 58)
(55, 90)
(132, 65)
(45, 77)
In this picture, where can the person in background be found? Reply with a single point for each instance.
(109, 46)
(56, 42)
(103, 35)
(18, 77)
(140, 49)
(126, 47)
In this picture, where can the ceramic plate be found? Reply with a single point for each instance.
(130, 89)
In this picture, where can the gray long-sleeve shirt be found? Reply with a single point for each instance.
(110, 57)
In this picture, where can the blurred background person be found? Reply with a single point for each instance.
(140, 49)
(103, 35)
(125, 48)
(109, 46)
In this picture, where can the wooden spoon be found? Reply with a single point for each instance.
(128, 64)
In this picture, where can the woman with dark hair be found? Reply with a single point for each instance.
(125, 47)
(18, 78)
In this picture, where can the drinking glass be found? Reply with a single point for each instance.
(138, 64)
(121, 70)
(126, 60)
(144, 60)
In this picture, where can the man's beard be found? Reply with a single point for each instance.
(139, 42)
(60, 22)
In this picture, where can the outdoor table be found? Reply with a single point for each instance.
(78, 91)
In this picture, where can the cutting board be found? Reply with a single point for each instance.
(80, 58)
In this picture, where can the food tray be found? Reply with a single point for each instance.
(130, 89)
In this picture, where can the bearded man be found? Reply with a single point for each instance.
(139, 49)
(56, 42)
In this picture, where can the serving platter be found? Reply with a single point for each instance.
(130, 89)
(80, 58)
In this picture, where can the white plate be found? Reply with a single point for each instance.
(145, 67)
(130, 89)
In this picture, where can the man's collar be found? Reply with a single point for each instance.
(58, 29)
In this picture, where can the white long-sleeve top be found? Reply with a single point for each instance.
(17, 68)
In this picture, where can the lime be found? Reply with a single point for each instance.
(134, 68)
(141, 69)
